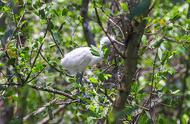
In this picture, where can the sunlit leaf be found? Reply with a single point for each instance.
(124, 6)
(93, 80)
(95, 51)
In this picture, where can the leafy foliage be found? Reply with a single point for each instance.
(35, 87)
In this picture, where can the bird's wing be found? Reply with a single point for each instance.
(83, 59)
(77, 60)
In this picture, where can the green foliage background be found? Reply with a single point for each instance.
(36, 34)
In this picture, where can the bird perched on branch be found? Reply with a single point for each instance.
(78, 59)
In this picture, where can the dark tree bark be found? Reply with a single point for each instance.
(86, 29)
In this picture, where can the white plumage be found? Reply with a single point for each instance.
(78, 59)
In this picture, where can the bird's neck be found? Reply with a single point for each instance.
(101, 51)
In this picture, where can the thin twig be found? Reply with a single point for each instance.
(117, 27)
(55, 41)
(36, 75)
(39, 110)
(152, 81)
(50, 63)
(142, 109)
(56, 111)
(62, 72)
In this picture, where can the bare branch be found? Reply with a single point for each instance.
(117, 27)
(58, 110)
(39, 110)
(141, 110)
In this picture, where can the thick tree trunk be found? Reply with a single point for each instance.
(133, 41)
(130, 69)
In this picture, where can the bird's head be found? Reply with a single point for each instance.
(105, 41)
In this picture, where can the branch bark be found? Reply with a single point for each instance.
(130, 70)
(39, 88)
(61, 108)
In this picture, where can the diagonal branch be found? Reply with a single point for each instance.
(39, 110)
(57, 111)
(36, 75)
(55, 41)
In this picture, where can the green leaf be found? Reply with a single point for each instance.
(160, 53)
(2, 64)
(107, 76)
(103, 77)
(185, 119)
(92, 108)
(64, 12)
(42, 13)
(38, 67)
(93, 80)
(95, 51)
(106, 52)
(6, 9)
(124, 6)
(174, 92)
(52, 45)
(140, 9)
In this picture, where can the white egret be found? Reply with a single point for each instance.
(78, 59)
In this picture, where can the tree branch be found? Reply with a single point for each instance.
(55, 41)
(39, 110)
(56, 111)
(54, 91)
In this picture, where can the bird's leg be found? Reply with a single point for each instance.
(79, 79)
